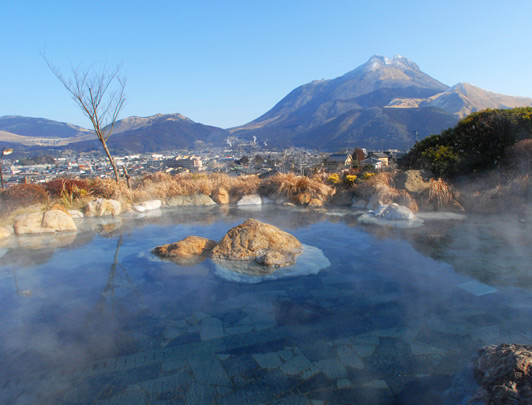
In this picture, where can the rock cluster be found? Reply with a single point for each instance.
(253, 240)
(47, 222)
(505, 375)
(394, 211)
(147, 206)
(191, 249)
(4, 232)
(190, 200)
(250, 199)
(220, 196)
(102, 207)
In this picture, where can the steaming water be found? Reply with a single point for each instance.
(395, 318)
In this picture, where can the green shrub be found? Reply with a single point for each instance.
(477, 143)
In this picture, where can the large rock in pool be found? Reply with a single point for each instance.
(147, 206)
(190, 200)
(394, 211)
(505, 375)
(192, 249)
(48, 222)
(220, 195)
(4, 232)
(250, 199)
(102, 207)
(263, 243)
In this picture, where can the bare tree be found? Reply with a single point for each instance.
(100, 96)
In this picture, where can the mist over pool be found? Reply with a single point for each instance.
(370, 314)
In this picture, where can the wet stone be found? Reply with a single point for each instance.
(238, 330)
(393, 347)
(296, 365)
(125, 397)
(332, 368)
(349, 358)
(260, 347)
(344, 383)
(237, 365)
(168, 384)
(208, 370)
(292, 400)
(317, 350)
(363, 350)
(286, 354)
(422, 349)
(185, 339)
(211, 328)
(377, 384)
(201, 394)
(268, 360)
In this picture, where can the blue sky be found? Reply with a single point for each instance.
(225, 63)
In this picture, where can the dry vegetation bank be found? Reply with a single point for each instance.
(488, 192)
(75, 193)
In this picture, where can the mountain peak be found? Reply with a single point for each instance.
(379, 61)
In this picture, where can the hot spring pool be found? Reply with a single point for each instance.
(396, 317)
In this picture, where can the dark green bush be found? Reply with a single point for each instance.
(477, 143)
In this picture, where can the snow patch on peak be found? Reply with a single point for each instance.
(402, 61)
(378, 61)
(461, 88)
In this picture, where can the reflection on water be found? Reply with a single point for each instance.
(394, 319)
(310, 261)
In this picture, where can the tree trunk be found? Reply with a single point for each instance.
(111, 160)
(126, 175)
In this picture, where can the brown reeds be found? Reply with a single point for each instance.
(21, 196)
(290, 186)
(441, 194)
(381, 186)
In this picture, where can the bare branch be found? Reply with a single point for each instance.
(92, 92)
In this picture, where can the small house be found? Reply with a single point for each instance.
(376, 163)
(383, 157)
(338, 161)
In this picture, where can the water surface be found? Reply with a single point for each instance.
(93, 317)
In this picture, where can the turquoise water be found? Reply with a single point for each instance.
(395, 318)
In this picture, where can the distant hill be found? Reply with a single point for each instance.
(132, 135)
(40, 127)
(361, 107)
(157, 133)
(462, 99)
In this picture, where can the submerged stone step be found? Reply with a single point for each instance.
(477, 288)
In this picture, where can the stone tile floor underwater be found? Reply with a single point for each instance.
(383, 324)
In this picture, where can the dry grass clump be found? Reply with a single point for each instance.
(21, 196)
(162, 186)
(70, 193)
(110, 189)
(155, 186)
(404, 198)
(441, 194)
(243, 185)
(290, 186)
